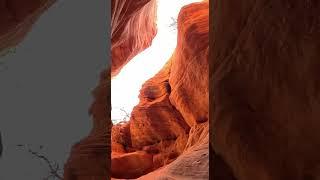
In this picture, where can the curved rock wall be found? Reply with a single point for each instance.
(170, 123)
(169, 126)
(265, 88)
(133, 27)
(17, 18)
(189, 93)
(190, 67)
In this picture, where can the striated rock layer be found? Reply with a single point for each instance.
(190, 67)
(168, 132)
(170, 123)
(132, 29)
(265, 88)
(17, 18)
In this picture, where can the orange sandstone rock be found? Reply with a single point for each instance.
(191, 164)
(121, 135)
(264, 79)
(132, 29)
(131, 165)
(175, 100)
(190, 66)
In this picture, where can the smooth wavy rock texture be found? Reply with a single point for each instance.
(170, 123)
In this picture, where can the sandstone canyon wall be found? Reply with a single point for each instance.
(168, 133)
(133, 27)
(17, 18)
(264, 92)
(264, 79)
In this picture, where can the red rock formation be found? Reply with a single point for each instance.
(193, 163)
(135, 164)
(132, 29)
(155, 127)
(264, 91)
(170, 105)
(158, 134)
(190, 67)
(17, 18)
(121, 138)
(154, 119)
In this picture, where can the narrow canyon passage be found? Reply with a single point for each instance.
(160, 90)
(126, 85)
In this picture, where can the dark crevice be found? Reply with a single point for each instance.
(11, 11)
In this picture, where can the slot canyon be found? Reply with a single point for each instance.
(264, 93)
(167, 135)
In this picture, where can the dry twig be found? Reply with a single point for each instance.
(54, 167)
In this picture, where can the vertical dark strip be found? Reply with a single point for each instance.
(211, 154)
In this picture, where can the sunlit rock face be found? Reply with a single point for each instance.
(17, 18)
(170, 122)
(133, 27)
(154, 119)
(135, 164)
(147, 63)
(189, 94)
(189, 71)
(264, 80)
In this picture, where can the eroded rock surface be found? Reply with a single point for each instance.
(189, 73)
(132, 29)
(168, 131)
(190, 165)
(17, 18)
(264, 91)
(135, 163)
(170, 123)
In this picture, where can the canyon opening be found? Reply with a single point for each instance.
(125, 86)
(159, 89)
